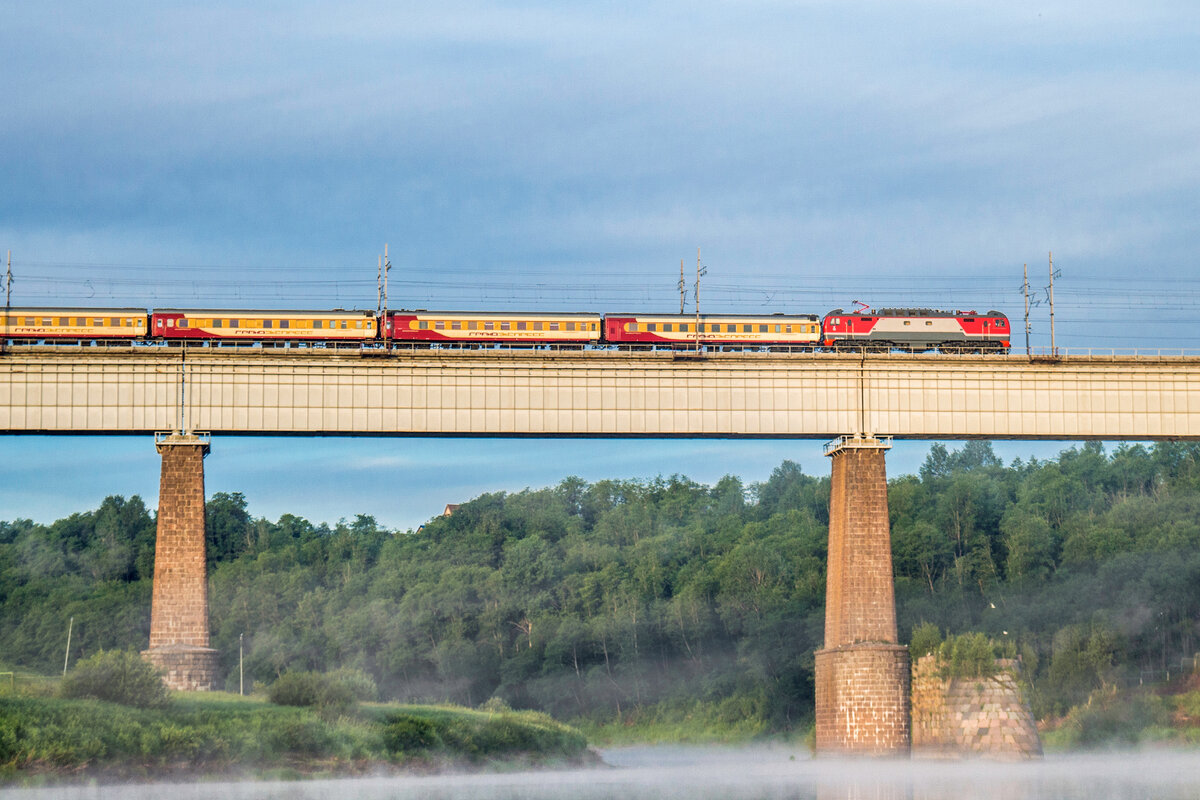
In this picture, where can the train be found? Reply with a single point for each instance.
(864, 329)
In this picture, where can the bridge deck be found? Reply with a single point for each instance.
(597, 393)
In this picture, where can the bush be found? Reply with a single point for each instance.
(926, 639)
(358, 683)
(970, 655)
(310, 689)
(118, 676)
(403, 733)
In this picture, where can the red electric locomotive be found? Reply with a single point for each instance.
(916, 329)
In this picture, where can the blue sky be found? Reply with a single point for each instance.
(537, 155)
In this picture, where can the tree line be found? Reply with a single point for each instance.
(603, 599)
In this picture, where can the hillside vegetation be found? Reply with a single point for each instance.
(662, 600)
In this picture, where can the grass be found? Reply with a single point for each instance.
(735, 720)
(218, 733)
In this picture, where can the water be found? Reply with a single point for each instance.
(697, 773)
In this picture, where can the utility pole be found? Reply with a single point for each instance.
(682, 287)
(699, 271)
(1027, 351)
(7, 304)
(1053, 347)
(379, 286)
(387, 267)
(67, 657)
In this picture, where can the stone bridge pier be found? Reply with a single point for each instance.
(862, 673)
(179, 636)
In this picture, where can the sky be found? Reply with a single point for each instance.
(533, 155)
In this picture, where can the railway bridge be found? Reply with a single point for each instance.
(184, 396)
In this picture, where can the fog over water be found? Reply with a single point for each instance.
(744, 773)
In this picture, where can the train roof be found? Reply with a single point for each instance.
(75, 310)
(266, 312)
(747, 317)
(911, 312)
(495, 314)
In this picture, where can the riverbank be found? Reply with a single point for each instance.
(205, 735)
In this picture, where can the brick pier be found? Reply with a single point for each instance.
(179, 642)
(862, 674)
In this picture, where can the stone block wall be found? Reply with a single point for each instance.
(960, 717)
(179, 634)
(862, 673)
(862, 700)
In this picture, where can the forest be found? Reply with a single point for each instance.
(619, 598)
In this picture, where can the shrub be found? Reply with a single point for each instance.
(310, 689)
(358, 683)
(403, 733)
(926, 639)
(970, 655)
(118, 676)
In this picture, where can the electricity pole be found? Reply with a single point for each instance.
(682, 287)
(387, 267)
(7, 304)
(1053, 347)
(699, 271)
(1027, 351)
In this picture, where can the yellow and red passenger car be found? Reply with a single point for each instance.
(83, 324)
(494, 326)
(262, 325)
(792, 330)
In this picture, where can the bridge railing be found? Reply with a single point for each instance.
(1044, 354)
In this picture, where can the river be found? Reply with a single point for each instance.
(703, 773)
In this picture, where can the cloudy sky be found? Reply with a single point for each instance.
(568, 156)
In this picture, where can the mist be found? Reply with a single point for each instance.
(746, 773)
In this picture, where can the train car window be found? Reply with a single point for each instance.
(777, 329)
(999, 323)
(284, 323)
(233, 323)
(553, 326)
(318, 323)
(653, 326)
(422, 325)
(439, 325)
(504, 326)
(343, 324)
(267, 323)
(762, 328)
(455, 325)
(969, 319)
(97, 322)
(537, 326)
(593, 326)
(487, 326)
(217, 323)
(358, 323)
(183, 323)
(520, 326)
